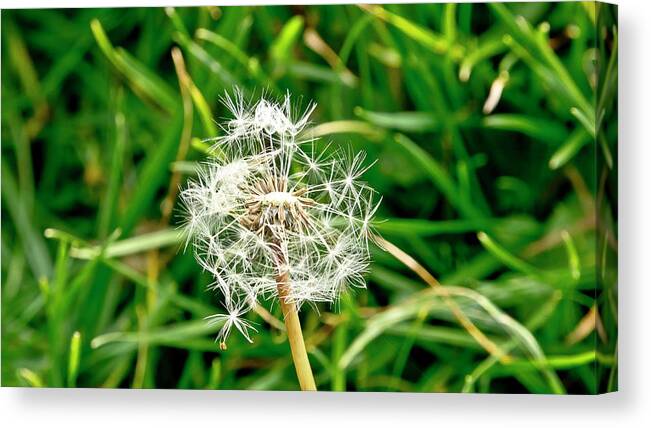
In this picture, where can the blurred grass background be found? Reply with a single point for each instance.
(495, 130)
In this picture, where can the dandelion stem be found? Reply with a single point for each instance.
(295, 335)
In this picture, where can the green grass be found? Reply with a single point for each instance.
(496, 200)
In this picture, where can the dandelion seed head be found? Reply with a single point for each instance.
(273, 204)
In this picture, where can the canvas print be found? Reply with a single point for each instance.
(352, 197)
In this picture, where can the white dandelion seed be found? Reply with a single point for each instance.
(274, 205)
(232, 318)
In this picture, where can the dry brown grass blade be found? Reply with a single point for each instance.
(587, 325)
(184, 83)
(555, 237)
(268, 318)
(581, 189)
(154, 260)
(429, 279)
(314, 41)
